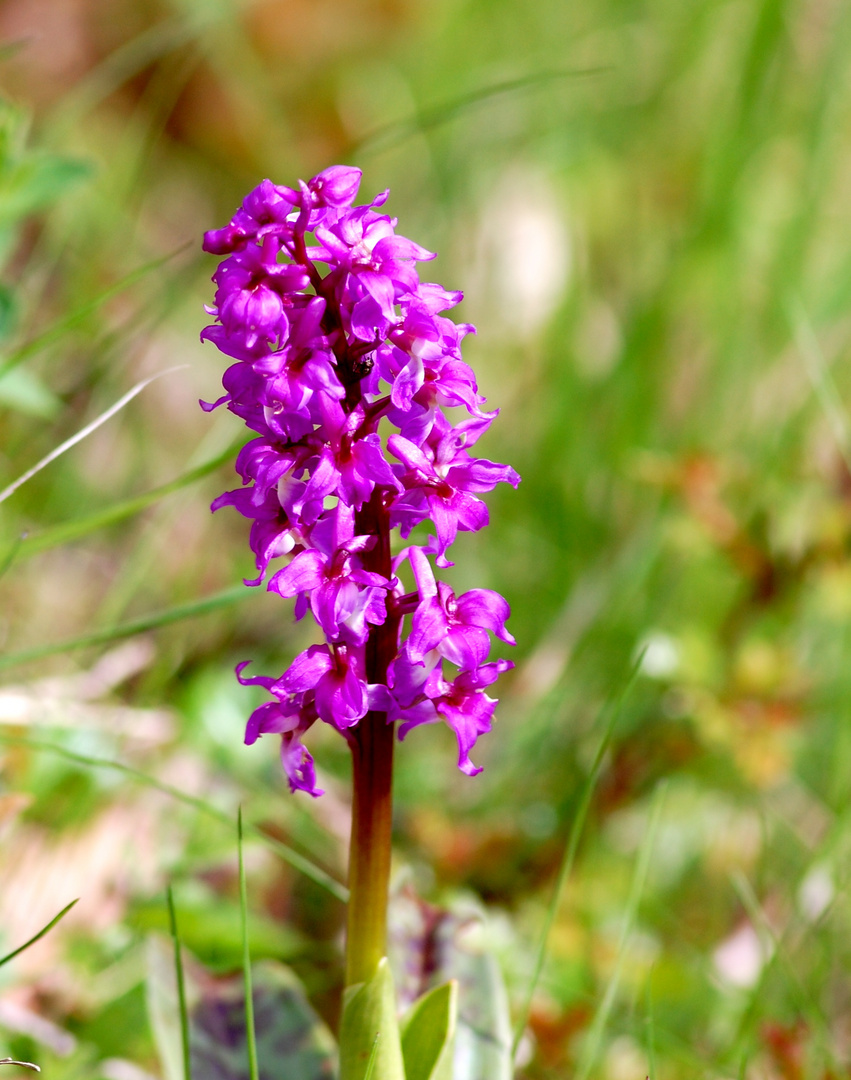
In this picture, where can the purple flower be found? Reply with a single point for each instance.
(440, 480)
(333, 673)
(333, 338)
(271, 533)
(290, 718)
(344, 598)
(466, 709)
(252, 297)
(420, 694)
(264, 209)
(456, 627)
(335, 186)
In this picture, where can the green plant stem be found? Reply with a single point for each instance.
(369, 853)
(371, 743)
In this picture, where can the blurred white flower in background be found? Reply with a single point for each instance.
(816, 893)
(661, 655)
(740, 958)
(524, 259)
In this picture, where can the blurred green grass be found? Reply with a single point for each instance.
(646, 205)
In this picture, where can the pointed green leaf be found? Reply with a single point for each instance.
(369, 1011)
(428, 1034)
(483, 1028)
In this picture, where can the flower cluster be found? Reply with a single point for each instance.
(334, 336)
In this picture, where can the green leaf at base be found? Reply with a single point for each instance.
(369, 1011)
(432, 946)
(428, 1034)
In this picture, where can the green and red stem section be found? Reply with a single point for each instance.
(371, 743)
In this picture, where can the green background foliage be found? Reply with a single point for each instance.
(646, 204)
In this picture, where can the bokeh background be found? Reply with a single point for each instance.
(647, 204)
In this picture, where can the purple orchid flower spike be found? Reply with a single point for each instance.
(343, 364)
(321, 362)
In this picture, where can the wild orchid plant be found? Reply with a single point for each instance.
(335, 339)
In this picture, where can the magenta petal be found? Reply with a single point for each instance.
(411, 455)
(483, 676)
(337, 185)
(465, 646)
(423, 712)
(472, 513)
(255, 680)
(380, 288)
(407, 680)
(341, 702)
(445, 522)
(323, 480)
(268, 718)
(399, 247)
(380, 699)
(305, 572)
(367, 319)
(298, 766)
(428, 629)
(482, 476)
(307, 669)
(209, 406)
(407, 383)
(486, 608)
(423, 574)
(469, 719)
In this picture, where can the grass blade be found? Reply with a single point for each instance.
(181, 987)
(73, 530)
(297, 861)
(570, 851)
(133, 626)
(37, 937)
(84, 432)
(250, 1035)
(595, 1034)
